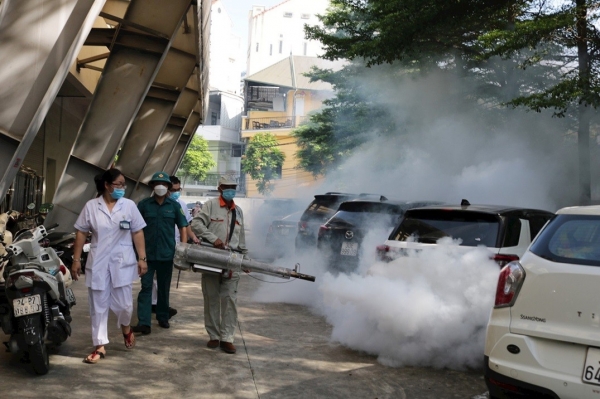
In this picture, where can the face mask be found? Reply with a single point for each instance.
(175, 195)
(228, 194)
(117, 193)
(161, 191)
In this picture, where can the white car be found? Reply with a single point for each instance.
(543, 336)
(506, 231)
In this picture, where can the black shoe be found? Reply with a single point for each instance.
(227, 347)
(164, 324)
(153, 308)
(172, 312)
(145, 330)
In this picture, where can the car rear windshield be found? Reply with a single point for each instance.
(428, 226)
(570, 239)
(322, 208)
(373, 213)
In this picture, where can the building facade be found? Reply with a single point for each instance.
(221, 127)
(278, 99)
(275, 33)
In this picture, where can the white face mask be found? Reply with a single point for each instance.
(160, 190)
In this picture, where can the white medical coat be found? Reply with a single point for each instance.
(111, 254)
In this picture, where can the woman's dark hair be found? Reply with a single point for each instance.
(107, 177)
(175, 180)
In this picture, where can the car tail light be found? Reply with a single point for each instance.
(509, 283)
(504, 259)
(322, 230)
(302, 226)
(382, 252)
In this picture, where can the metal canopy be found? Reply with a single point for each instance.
(148, 102)
(36, 57)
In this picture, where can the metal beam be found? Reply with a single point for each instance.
(36, 58)
(130, 69)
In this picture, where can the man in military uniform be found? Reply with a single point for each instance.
(161, 215)
(221, 223)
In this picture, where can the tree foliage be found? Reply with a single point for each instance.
(345, 123)
(491, 41)
(262, 160)
(197, 160)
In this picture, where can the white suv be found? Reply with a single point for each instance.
(506, 231)
(543, 336)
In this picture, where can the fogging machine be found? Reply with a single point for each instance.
(206, 259)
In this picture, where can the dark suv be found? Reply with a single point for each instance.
(505, 231)
(317, 213)
(341, 237)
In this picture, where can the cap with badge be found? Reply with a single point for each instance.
(228, 180)
(160, 177)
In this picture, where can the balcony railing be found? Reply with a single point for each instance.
(212, 179)
(272, 122)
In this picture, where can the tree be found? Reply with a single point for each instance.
(560, 43)
(572, 26)
(197, 160)
(262, 160)
(343, 124)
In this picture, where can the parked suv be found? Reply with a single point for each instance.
(317, 212)
(340, 238)
(505, 231)
(280, 237)
(543, 335)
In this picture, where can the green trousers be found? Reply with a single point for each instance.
(164, 271)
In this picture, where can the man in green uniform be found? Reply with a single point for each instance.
(161, 215)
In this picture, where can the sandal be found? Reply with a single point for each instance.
(129, 339)
(90, 358)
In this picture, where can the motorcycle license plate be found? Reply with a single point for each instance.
(70, 296)
(591, 370)
(349, 249)
(27, 305)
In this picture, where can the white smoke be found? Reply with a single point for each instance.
(430, 309)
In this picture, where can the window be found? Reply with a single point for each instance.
(288, 15)
(257, 47)
(236, 150)
(280, 46)
(305, 16)
(213, 118)
(279, 172)
(570, 239)
(270, 49)
(305, 47)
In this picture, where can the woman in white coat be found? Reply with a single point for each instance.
(116, 225)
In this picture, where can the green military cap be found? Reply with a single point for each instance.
(161, 176)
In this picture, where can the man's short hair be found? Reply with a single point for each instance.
(175, 180)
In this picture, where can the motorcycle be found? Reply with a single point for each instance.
(36, 300)
(62, 243)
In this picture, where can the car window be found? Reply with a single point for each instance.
(570, 239)
(321, 210)
(512, 231)
(536, 222)
(363, 219)
(472, 228)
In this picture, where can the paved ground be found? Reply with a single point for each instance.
(283, 352)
